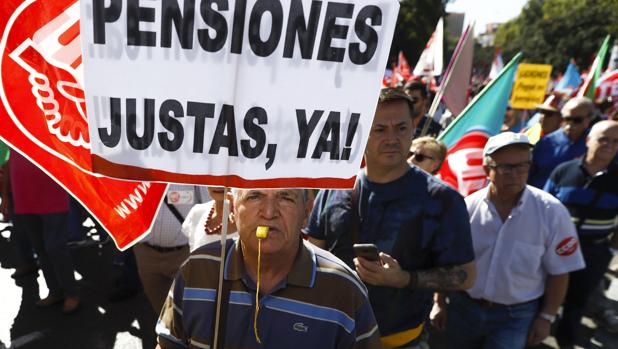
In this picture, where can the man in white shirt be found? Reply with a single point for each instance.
(525, 246)
(166, 247)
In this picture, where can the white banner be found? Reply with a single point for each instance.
(242, 93)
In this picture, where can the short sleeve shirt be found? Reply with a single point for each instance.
(514, 257)
(193, 227)
(321, 304)
(416, 219)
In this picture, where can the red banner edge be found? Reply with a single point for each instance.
(127, 172)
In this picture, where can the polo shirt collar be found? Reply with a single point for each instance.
(522, 199)
(582, 167)
(303, 270)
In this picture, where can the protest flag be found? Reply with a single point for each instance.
(431, 61)
(589, 86)
(466, 136)
(496, 65)
(457, 76)
(403, 67)
(570, 80)
(453, 89)
(43, 115)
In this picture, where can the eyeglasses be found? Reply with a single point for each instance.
(510, 168)
(574, 119)
(419, 157)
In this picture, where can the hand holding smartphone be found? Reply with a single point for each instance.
(367, 251)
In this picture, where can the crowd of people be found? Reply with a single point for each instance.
(492, 269)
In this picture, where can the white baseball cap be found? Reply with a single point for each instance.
(504, 139)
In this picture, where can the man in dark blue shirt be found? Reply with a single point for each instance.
(420, 225)
(589, 189)
(567, 143)
(420, 97)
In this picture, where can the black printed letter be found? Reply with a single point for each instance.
(183, 22)
(334, 31)
(102, 15)
(366, 34)
(168, 112)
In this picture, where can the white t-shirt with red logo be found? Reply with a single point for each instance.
(514, 257)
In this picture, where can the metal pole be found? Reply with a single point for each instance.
(224, 227)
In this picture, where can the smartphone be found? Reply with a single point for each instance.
(367, 251)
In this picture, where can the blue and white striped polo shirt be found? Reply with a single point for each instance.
(321, 304)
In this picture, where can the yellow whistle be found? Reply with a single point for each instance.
(261, 232)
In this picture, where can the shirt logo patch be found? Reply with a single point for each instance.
(567, 247)
(300, 327)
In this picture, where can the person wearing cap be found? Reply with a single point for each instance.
(525, 247)
(564, 144)
(420, 98)
(419, 224)
(588, 187)
(549, 120)
(307, 297)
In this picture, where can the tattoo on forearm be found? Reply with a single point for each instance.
(442, 279)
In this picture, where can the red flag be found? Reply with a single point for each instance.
(403, 67)
(394, 76)
(43, 115)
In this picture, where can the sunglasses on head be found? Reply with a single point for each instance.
(419, 157)
(574, 119)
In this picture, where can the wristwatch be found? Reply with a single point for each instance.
(548, 317)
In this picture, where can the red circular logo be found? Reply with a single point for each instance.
(567, 246)
(41, 78)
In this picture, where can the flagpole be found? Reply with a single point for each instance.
(224, 227)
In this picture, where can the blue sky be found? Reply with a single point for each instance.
(486, 11)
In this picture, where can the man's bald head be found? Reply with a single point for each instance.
(602, 143)
(601, 126)
(578, 103)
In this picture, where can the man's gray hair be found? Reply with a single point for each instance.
(236, 192)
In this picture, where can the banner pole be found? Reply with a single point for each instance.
(224, 221)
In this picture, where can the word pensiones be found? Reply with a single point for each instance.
(182, 22)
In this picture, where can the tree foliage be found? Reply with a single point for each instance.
(416, 21)
(553, 31)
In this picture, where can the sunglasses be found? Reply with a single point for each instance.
(574, 119)
(419, 157)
